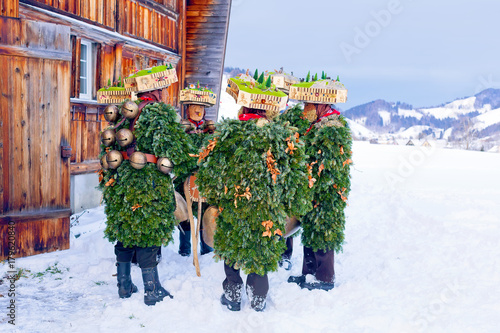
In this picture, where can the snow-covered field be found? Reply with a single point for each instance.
(422, 254)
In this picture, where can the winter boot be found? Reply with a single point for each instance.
(232, 286)
(185, 243)
(153, 291)
(320, 285)
(257, 288)
(204, 246)
(297, 279)
(125, 286)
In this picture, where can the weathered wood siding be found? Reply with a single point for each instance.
(206, 32)
(9, 8)
(35, 124)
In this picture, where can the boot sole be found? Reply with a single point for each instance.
(232, 306)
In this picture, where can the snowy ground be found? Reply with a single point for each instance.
(421, 255)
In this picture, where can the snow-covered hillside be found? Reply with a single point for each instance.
(421, 255)
(479, 113)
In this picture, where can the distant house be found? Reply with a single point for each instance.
(374, 141)
(410, 143)
(426, 144)
(393, 142)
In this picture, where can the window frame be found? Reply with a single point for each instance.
(89, 72)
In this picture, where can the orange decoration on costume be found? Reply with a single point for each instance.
(110, 182)
(271, 166)
(135, 207)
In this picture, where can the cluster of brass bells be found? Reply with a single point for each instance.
(124, 137)
(129, 110)
(189, 126)
(138, 160)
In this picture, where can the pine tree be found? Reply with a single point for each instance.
(119, 81)
(338, 79)
(315, 78)
(109, 82)
(322, 75)
(256, 74)
(261, 78)
(268, 82)
(308, 77)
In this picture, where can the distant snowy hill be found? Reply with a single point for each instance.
(479, 114)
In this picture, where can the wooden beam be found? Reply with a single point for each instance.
(19, 51)
(85, 167)
(34, 215)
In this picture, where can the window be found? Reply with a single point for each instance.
(86, 78)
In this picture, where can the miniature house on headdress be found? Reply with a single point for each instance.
(320, 92)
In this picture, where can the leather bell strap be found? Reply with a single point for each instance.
(329, 113)
(150, 158)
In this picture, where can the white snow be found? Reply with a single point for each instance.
(456, 108)
(409, 113)
(386, 117)
(421, 255)
(487, 119)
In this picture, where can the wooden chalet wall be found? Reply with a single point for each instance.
(48, 132)
(150, 34)
(206, 33)
(35, 126)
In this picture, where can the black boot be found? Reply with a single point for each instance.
(153, 291)
(125, 286)
(257, 288)
(204, 246)
(320, 285)
(297, 279)
(185, 243)
(232, 286)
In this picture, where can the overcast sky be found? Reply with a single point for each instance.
(423, 52)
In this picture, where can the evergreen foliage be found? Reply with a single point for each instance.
(256, 74)
(261, 78)
(268, 82)
(140, 203)
(308, 77)
(328, 146)
(236, 177)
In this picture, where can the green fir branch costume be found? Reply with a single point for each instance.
(256, 182)
(328, 146)
(140, 203)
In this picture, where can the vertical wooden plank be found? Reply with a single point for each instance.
(78, 136)
(62, 113)
(98, 82)
(5, 130)
(9, 8)
(75, 67)
(118, 61)
(36, 122)
(17, 137)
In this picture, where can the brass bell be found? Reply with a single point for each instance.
(114, 159)
(188, 126)
(124, 137)
(111, 113)
(108, 137)
(165, 165)
(138, 160)
(130, 110)
(210, 125)
(104, 162)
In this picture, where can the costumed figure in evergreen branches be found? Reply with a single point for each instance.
(328, 146)
(194, 100)
(253, 170)
(142, 146)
